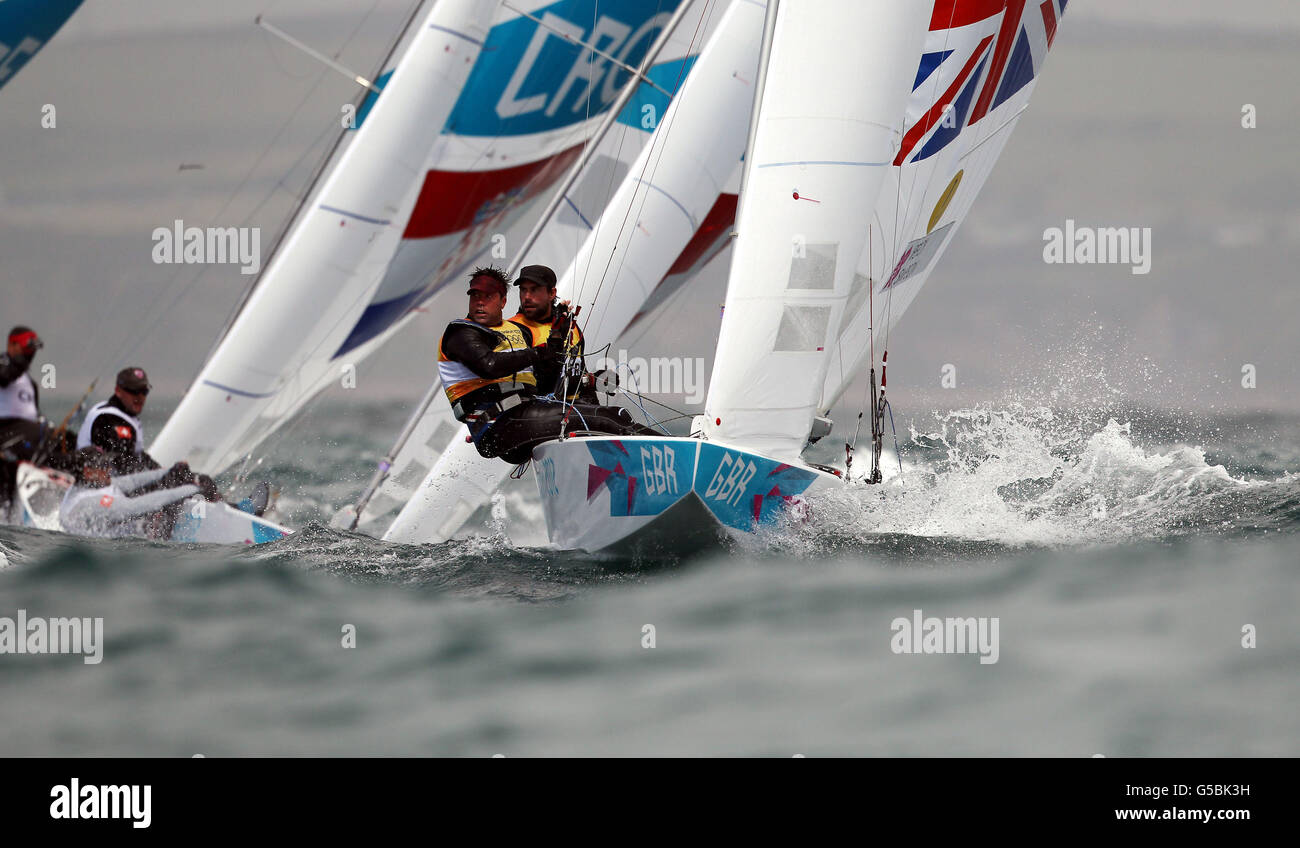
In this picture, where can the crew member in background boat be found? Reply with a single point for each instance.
(538, 310)
(22, 428)
(488, 369)
(146, 503)
(114, 426)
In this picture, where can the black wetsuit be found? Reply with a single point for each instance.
(474, 349)
(22, 438)
(514, 433)
(116, 434)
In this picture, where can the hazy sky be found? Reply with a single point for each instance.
(1136, 123)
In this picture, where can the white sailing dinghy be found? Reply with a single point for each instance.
(675, 202)
(846, 205)
(39, 494)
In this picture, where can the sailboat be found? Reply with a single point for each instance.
(875, 125)
(490, 104)
(486, 106)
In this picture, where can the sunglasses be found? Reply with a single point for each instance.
(140, 393)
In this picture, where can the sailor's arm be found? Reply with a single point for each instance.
(140, 479)
(11, 368)
(124, 507)
(470, 348)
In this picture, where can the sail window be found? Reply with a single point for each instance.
(803, 328)
(857, 299)
(812, 266)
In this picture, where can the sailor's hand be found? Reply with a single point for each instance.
(178, 475)
(207, 488)
(557, 343)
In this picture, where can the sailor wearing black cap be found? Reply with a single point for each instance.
(114, 425)
(540, 311)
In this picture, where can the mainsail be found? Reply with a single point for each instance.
(668, 211)
(497, 101)
(814, 171)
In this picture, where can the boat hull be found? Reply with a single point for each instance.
(40, 493)
(663, 494)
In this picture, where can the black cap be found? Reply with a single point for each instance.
(539, 274)
(133, 380)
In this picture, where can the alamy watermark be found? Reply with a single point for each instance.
(932, 635)
(132, 802)
(1074, 245)
(182, 245)
(657, 375)
(37, 635)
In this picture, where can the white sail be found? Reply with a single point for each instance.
(647, 227)
(518, 97)
(829, 124)
(974, 78)
(316, 285)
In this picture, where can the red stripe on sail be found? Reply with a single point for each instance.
(450, 201)
(959, 13)
(1049, 20)
(716, 223)
(1006, 37)
(918, 131)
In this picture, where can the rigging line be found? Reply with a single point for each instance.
(659, 403)
(899, 229)
(132, 343)
(609, 188)
(706, 18)
(623, 225)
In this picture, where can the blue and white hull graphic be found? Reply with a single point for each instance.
(662, 492)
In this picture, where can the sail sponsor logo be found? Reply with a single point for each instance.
(919, 635)
(182, 245)
(659, 470)
(658, 375)
(918, 256)
(731, 478)
(132, 802)
(37, 635)
(542, 76)
(1074, 245)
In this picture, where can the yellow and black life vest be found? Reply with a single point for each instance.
(458, 380)
(542, 332)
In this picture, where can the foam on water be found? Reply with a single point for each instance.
(1030, 476)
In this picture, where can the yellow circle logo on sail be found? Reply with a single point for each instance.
(942, 205)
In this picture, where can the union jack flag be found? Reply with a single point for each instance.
(977, 55)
